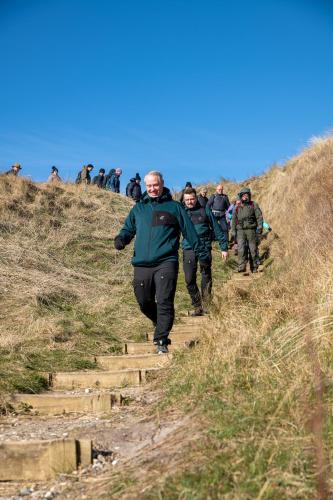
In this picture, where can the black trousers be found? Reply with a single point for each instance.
(190, 266)
(155, 289)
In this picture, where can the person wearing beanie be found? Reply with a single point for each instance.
(99, 180)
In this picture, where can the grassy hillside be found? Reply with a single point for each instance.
(65, 293)
(263, 379)
(259, 388)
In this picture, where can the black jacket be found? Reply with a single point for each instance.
(219, 204)
(202, 200)
(98, 181)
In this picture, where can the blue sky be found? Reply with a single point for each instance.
(197, 89)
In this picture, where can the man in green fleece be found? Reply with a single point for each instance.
(246, 223)
(157, 222)
(206, 227)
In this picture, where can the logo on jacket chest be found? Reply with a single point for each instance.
(163, 218)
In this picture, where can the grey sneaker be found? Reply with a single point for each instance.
(162, 349)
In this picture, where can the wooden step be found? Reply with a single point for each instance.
(150, 348)
(55, 403)
(94, 379)
(179, 336)
(43, 460)
(133, 361)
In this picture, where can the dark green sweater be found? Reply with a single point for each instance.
(206, 227)
(157, 224)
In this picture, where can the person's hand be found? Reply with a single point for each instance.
(118, 243)
(224, 255)
(259, 231)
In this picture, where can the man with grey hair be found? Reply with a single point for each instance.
(157, 222)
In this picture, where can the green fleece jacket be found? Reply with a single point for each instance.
(206, 227)
(246, 216)
(157, 224)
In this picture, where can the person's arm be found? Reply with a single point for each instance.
(127, 232)
(258, 214)
(189, 233)
(84, 176)
(233, 222)
(220, 235)
(210, 201)
(227, 201)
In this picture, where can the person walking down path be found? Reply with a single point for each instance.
(246, 225)
(99, 179)
(206, 227)
(219, 204)
(157, 222)
(83, 177)
(54, 177)
(113, 180)
(133, 188)
(15, 169)
(202, 198)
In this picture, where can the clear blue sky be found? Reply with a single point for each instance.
(197, 89)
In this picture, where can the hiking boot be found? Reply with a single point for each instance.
(162, 349)
(198, 311)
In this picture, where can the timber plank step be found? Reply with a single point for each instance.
(133, 361)
(43, 460)
(97, 379)
(57, 403)
(150, 348)
(179, 336)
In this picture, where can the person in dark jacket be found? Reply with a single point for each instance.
(202, 198)
(113, 181)
(134, 190)
(206, 227)
(157, 222)
(14, 170)
(99, 179)
(246, 225)
(187, 185)
(83, 177)
(129, 187)
(219, 203)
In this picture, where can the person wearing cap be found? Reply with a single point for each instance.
(202, 198)
(246, 225)
(54, 176)
(83, 177)
(156, 223)
(14, 170)
(113, 183)
(99, 180)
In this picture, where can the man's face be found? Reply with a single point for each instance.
(219, 189)
(190, 200)
(16, 170)
(245, 197)
(154, 186)
(90, 168)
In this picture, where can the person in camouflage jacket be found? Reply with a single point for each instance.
(247, 223)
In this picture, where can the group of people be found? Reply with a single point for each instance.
(110, 181)
(157, 222)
